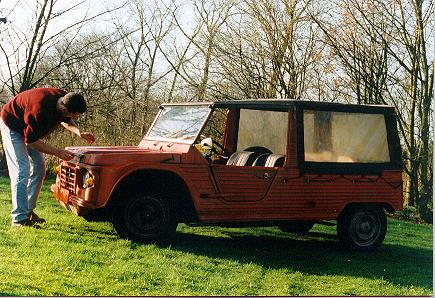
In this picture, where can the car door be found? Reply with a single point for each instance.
(243, 183)
(262, 132)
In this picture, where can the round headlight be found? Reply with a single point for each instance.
(88, 179)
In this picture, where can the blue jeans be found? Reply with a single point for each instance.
(27, 172)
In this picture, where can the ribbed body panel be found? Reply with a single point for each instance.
(294, 196)
(244, 184)
(199, 176)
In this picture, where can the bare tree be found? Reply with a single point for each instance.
(26, 47)
(151, 25)
(195, 59)
(382, 48)
(269, 50)
(355, 41)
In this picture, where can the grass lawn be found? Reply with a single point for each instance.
(69, 256)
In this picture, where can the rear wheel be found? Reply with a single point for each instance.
(362, 228)
(300, 227)
(146, 217)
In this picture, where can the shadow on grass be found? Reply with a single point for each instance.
(397, 264)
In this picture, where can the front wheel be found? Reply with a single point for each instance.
(145, 217)
(362, 228)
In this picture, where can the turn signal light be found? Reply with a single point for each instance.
(88, 179)
(89, 182)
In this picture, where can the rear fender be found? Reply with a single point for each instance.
(350, 206)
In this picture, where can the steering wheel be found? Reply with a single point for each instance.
(213, 149)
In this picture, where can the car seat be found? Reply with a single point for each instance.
(269, 160)
(241, 158)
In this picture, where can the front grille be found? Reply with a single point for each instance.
(68, 178)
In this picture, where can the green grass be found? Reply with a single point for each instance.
(69, 256)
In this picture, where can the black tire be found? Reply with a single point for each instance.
(258, 150)
(362, 228)
(300, 227)
(146, 218)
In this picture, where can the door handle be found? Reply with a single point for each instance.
(265, 176)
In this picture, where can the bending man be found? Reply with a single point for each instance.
(25, 120)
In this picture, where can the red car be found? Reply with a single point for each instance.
(280, 163)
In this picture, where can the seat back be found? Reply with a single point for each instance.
(261, 160)
(240, 158)
(269, 160)
(275, 160)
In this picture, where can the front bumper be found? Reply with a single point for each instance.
(70, 201)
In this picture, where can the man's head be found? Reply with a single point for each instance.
(73, 104)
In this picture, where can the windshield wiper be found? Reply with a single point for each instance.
(174, 134)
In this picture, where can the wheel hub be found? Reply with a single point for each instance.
(365, 228)
(145, 217)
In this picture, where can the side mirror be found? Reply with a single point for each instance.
(207, 143)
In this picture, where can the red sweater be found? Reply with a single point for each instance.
(33, 113)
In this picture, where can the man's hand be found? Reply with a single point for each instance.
(48, 149)
(72, 127)
(65, 154)
(88, 136)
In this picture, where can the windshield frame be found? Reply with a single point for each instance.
(176, 140)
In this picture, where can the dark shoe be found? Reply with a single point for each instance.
(33, 217)
(24, 223)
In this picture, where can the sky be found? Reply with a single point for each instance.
(20, 15)
(20, 12)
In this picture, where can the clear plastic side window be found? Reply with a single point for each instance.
(345, 137)
(263, 128)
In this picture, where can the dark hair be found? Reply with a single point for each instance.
(74, 102)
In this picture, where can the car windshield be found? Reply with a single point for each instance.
(179, 122)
